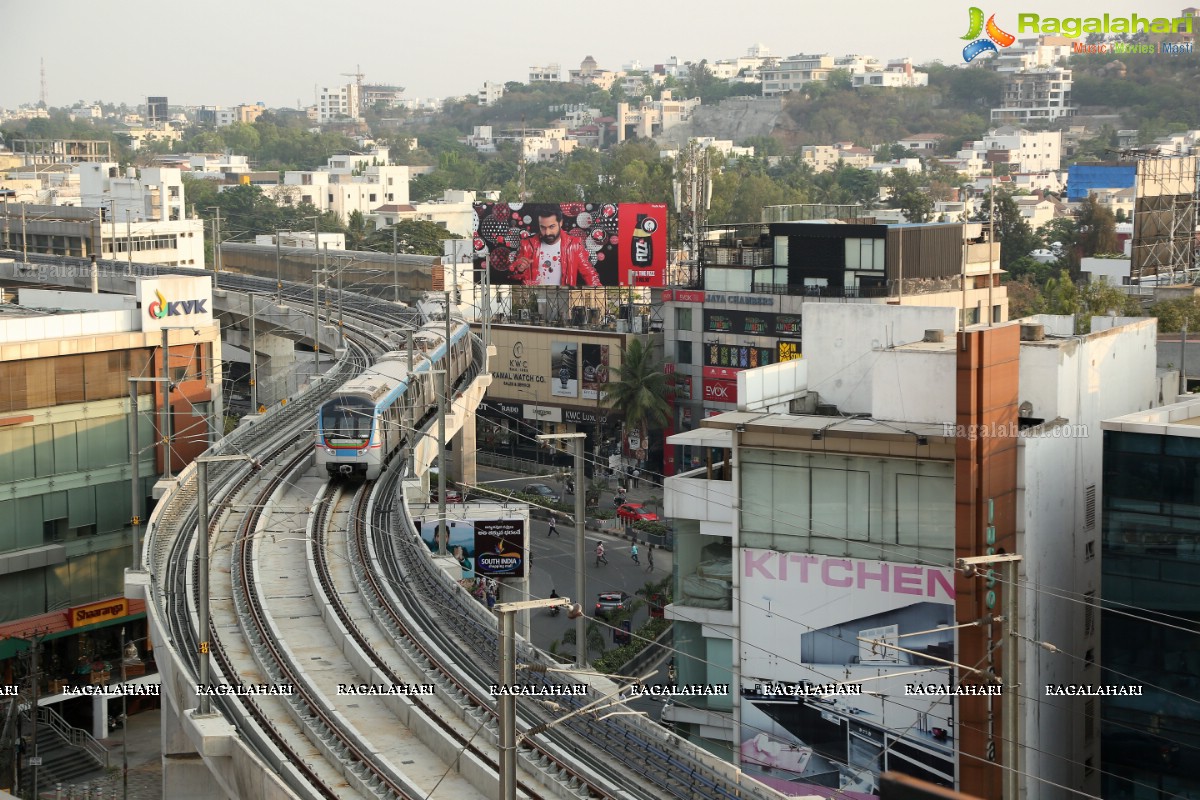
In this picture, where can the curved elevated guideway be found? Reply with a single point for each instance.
(370, 667)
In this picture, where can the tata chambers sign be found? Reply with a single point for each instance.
(175, 302)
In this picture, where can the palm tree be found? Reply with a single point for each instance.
(640, 393)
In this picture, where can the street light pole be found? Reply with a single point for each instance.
(508, 677)
(253, 359)
(580, 497)
(165, 413)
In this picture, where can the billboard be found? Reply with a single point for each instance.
(175, 302)
(595, 371)
(571, 244)
(460, 543)
(737, 356)
(811, 623)
(564, 369)
(500, 548)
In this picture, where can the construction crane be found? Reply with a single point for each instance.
(358, 81)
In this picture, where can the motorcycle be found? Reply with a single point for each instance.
(570, 486)
(115, 722)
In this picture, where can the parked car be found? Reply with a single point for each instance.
(612, 602)
(452, 495)
(541, 490)
(633, 512)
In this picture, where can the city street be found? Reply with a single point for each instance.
(554, 561)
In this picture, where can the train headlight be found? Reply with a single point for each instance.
(330, 451)
(362, 452)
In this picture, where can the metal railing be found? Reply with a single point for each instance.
(75, 737)
(836, 292)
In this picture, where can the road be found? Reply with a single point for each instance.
(554, 564)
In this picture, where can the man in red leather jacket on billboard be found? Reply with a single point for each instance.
(552, 259)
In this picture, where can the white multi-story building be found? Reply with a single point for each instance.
(1027, 54)
(897, 75)
(156, 195)
(216, 165)
(650, 118)
(810, 539)
(790, 74)
(489, 93)
(356, 182)
(338, 102)
(551, 73)
(1037, 95)
(1023, 150)
(922, 143)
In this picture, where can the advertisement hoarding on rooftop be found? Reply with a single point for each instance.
(571, 244)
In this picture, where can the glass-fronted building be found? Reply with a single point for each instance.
(1150, 610)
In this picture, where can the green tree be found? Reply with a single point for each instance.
(909, 197)
(1097, 228)
(356, 230)
(593, 635)
(1013, 233)
(412, 236)
(640, 392)
(1173, 315)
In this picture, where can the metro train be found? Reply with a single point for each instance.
(367, 419)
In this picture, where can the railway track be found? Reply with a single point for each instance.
(437, 631)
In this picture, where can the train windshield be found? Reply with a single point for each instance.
(346, 421)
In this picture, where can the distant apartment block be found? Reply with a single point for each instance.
(338, 102)
(156, 111)
(1038, 95)
(1023, 150)
(382, 95)
(896, 75)
(551, 73)
(651, 118)
(792, 73)
(922, 143)
(358, 182)
(1027, 54)
(490, 93)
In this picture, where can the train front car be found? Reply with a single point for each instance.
(344, 436)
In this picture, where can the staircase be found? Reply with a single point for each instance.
(68, 754)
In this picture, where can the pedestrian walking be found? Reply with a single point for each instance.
(600, 559)
(491, 600)
(637, 474)
(553, 529)
(650, 559)
(633, 553)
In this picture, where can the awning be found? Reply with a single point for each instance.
(703, 437)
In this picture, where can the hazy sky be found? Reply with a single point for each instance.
(220, 52)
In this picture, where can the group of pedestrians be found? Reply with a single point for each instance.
(634, 554)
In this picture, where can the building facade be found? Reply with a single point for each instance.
(811, 543)
(65, 457)
(759, 281)
(1151, 564)
(1037, 95)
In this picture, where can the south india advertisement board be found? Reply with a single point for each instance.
(826, 697)
(574, 245)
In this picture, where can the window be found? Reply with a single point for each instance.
(372, 197)
(683, 319)
(1089, 722)
(1089, 550)
(683, 352)
(864, 254)
(1089, 658)
(1089, 507)
(1089, 613)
